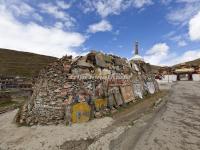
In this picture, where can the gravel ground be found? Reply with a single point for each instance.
(46, 137)
(178, 127)
(104, 142)
(165, 85)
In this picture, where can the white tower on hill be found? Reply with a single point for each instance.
(136, 56)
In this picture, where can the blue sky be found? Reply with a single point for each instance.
(168, 31)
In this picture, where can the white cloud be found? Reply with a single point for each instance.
(187, 56)
(37, 17)
(62, 4)
(21, 9)
(36, 38)
(112, 7)
(160, 48)
(59, 25)
(194, 27)
(180, 39)
(101, 26)
(104, 8)
(160, 54)
(184, 12)
(166, 2)
(56, 12)
(51, 9)
(157, 54)
(187, 1)
(181, 14)
(182, 43)
(141, 3)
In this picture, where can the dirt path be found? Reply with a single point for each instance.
(175, 127)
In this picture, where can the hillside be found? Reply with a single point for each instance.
(195, 62)
(155, 68)
(15, 63)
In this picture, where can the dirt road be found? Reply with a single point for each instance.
(175, 127)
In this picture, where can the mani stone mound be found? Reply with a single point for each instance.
(90, 86)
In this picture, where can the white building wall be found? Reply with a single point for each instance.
(168, 78)
(196, 77)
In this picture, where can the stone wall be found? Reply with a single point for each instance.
(86, 79)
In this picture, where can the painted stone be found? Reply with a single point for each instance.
(80, 112)
(127, 93)
(100, 104)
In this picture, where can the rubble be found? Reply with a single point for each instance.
(93, 86)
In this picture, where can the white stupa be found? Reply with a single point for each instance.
(136, 56)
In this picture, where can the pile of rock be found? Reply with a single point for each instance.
(102, 82)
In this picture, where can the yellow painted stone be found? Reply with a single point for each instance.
(80, 112)
(100, 104)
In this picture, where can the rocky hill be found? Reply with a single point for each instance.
(16, 63)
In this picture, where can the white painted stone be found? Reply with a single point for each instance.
(151, 87)
(137, 88)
